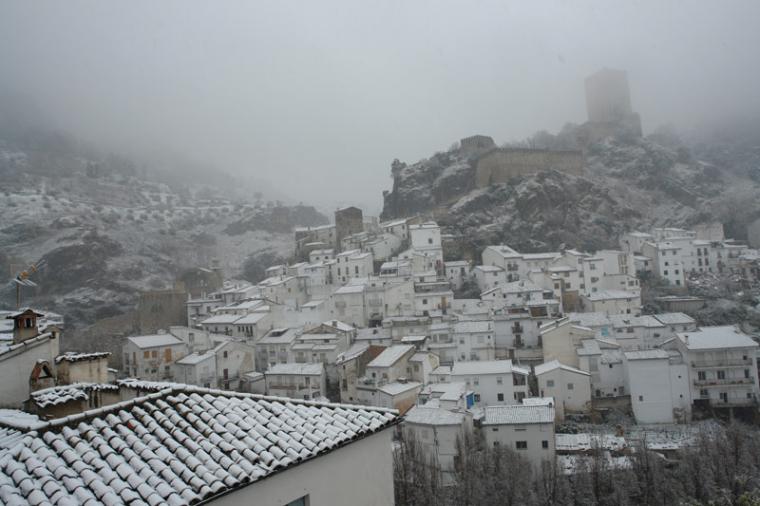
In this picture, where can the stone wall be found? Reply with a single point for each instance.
(501, 165)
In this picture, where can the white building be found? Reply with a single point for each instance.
(722, 366)
(658, 383)
(20, 356)
(528, 430)
(489, 276)
(667, 261)
(603, 359)
(492, 382)
(612, 302)
(352, 264)
(151, 357)
(570, 387)
(238, 436)
(474, 340)
(438, 431)
(457, 272)
(297, 381)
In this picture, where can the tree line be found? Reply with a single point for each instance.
(721, 468)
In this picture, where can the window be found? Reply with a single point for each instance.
(549, 383)
(146, 354)
(701, 375)
(477, 397)
(154, 353)
(570, 386)
(499, 380)
(746, 373)
(545, 444)
(721, 375)
(641, 398)
(521, 445)
(500, 397)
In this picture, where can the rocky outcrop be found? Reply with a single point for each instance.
(625, 184)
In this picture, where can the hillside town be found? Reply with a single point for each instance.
(239, 264)
(555, 352)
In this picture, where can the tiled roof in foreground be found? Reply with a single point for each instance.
(180, 445)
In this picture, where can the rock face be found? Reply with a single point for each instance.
(625, 184)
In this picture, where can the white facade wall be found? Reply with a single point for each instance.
(364, 469)
(657, 389)
(16, 367)
(571, 390)
(539, 438)
(494, 389)
(487, 277)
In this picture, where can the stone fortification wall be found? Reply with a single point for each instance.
(501, 165)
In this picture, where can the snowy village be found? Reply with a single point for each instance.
(568, 319)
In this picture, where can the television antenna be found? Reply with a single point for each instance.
(22, 279)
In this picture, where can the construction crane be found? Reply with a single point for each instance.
(22, 279)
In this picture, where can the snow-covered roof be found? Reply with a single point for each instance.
(221, 319)
(413, 339)
(250, 319)
(626, 320)
(349, 289)
(484, 367)
(538, 401)
(353, 352)
(611, 295)
(337, 324)
(517, 414)
(279, 336)
(391, 355)
(674, 318)
(586, 441)
(556, 364)
(707, 338)
(422, 415)
(81, 357)
(154, 341)
(178, 446)
(595, 319)
(195, 358)
(29, 343)
(304, 369)
(62, 394)
(489, 268)
(398, 387)
(646, 354)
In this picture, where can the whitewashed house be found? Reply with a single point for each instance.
(475, 340)
(457, 272)
(297, 381)
(722, 364)
(20, 356)
(612, 302)
(151, 357)
(603, 359)
(438, 430)
(570, 387)
(239, 436)
(658, 383)
(528, 430)
(492, 382)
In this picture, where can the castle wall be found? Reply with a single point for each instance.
(499, 166)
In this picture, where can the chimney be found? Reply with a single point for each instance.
(25, 325)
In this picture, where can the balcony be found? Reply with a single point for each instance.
(714, 382)
(728, 362)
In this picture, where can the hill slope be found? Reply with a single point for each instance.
(654, 181)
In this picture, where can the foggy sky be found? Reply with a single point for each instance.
(318, 97)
